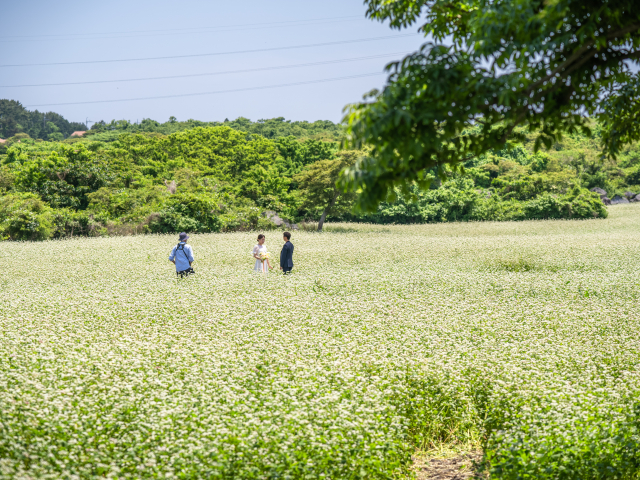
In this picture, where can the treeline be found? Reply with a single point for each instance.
(16, 120)
(271, 128)
(218, 178)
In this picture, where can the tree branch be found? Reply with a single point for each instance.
(580, 52)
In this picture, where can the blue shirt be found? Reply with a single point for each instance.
(182, 256)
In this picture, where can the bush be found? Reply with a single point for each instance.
(633, 175)
(458, 200)
(578, 203)
(67, 223)
(187, 212)
(24, 216)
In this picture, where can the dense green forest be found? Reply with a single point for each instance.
(128, 178)
(271, 128)
(16, 120)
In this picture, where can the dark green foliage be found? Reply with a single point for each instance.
(210, 179)
(296, 155)
(318, 187)
(577, 203)
(459, 200)
(67, 223)
(279, 127)
(63, 178)
(494, 66)
(272, 129)
(24, 216)
(14, 118)
(633, 176)
(187, 212)
(597, 445)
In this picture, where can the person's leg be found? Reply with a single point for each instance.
(287, 270)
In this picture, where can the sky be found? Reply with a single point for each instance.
(218, 35)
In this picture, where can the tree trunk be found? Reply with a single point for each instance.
(326, 211)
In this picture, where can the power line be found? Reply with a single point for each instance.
(279, 67)
(181, 29)
(341, 42)
(201, 30)
(211, 93)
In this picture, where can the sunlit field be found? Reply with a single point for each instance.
(520, 339)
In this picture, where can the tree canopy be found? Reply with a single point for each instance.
(216, 178)
(16, 119)
(491, 71)
(317, 182)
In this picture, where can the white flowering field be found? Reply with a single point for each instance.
(520, 338)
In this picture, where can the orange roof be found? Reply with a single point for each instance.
(78, 133)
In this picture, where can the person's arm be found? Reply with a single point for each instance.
(290, 255)
(172, 256)
(191, 259)
(255, 252)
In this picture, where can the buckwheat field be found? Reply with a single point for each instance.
(521, 339)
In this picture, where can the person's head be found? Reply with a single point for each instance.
(261, 239)
(286, 236)
(183, 237)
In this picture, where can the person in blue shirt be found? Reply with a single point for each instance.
(182, 257)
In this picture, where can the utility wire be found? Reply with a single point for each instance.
(195, 31)
(211, 93)
(341, 42)
(279, 67)
(284, 22)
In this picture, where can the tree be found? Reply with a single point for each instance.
(493, 70)
(317, 182)
(12, 115)
(14, 118)
(54, 132)
(296, 154)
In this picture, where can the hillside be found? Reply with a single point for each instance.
(123, 179)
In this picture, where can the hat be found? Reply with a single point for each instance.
(184, 237)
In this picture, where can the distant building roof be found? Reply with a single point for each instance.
(2, 141)
(78, 133)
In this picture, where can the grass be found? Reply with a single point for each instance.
(519, 338)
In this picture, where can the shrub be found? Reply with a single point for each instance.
(187, 212)
(24, 216)
(578, 203)
(67, 223)
(633, 175)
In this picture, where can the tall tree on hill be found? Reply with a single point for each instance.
(317, 183)
(13, 118)
(494, 65)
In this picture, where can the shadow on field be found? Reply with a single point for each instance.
(521, 265)
(313, 227)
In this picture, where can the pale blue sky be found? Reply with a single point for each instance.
(74, 31)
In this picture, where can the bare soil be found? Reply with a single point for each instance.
(455, 468)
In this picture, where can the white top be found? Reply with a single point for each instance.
(259, 266)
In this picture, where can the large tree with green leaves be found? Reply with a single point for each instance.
(317, 184)
(490, 71)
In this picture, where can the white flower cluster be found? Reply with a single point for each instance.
(521, 337)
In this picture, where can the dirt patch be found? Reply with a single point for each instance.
(461, 467)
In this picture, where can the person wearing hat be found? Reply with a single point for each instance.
(182, 257)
